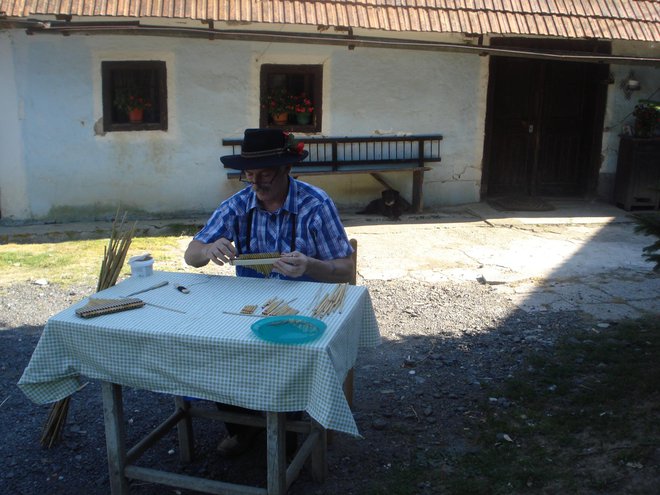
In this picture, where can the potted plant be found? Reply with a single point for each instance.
(647, 119)
(279, 104)
(131, 102)
(304, 109)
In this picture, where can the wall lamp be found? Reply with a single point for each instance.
(630, 84)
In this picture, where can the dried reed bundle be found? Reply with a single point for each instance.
(332, 301)
(114, 255)
(261, 262)
(56, 418)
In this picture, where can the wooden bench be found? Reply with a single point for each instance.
(374, 155)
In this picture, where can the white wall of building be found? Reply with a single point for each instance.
(14, 199)
(57, 164)
(66, 168)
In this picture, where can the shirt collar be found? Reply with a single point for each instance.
(291, 202)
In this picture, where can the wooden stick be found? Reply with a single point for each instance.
(245, 314)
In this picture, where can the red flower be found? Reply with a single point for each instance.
(303, 104)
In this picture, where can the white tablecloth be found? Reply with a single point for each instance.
(204, 352)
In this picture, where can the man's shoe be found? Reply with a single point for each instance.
(235, 445)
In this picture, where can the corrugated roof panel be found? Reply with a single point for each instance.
(342, 15)
(627, 9)
(382, 17)
(463, 21)
(180, 9)
(361, 17)
(481, 21)
(315, 13)
(476, 22)
(512, 23)
(420, 21)
(284, 12)
(641, 27)
(645, 10)
(435, 21)
(455, 21)
(325, 16)
(631, 29)
(612, 28)
(568, 27)
(555, 25)
(609, 19)
(494, 22)
(616, 28)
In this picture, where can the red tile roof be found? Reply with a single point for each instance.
(602, 19)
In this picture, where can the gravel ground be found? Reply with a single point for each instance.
(442, 345)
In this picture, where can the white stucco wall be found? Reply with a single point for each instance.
(57, 164)
(14, 200)
(73, 171)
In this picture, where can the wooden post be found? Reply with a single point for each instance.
(115, 437)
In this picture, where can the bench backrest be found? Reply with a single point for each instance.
(324, 151)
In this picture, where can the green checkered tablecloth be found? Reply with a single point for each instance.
(201, 351)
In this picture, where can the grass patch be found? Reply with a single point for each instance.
(78, 262)
(580, 419)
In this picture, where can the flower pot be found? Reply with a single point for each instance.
(304, 118)
(281, 118)
(136, 115)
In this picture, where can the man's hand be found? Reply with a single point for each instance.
(296, 264)
(292, 264)
(219, 252)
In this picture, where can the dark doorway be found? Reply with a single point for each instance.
(544, 124)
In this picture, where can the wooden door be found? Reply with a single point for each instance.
(513, 108)
(542, 127)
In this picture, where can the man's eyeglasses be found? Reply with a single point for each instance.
(244, 177)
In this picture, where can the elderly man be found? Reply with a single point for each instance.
(274, 213)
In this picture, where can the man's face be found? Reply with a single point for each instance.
(268, 183)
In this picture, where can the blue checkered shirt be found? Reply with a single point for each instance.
(308, 214)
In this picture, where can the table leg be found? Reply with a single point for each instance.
(276, 452)
(319, 461)
(185, 431)
(115, 437)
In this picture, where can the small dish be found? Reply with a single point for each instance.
(288, 329)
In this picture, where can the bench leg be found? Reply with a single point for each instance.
(417, 191)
